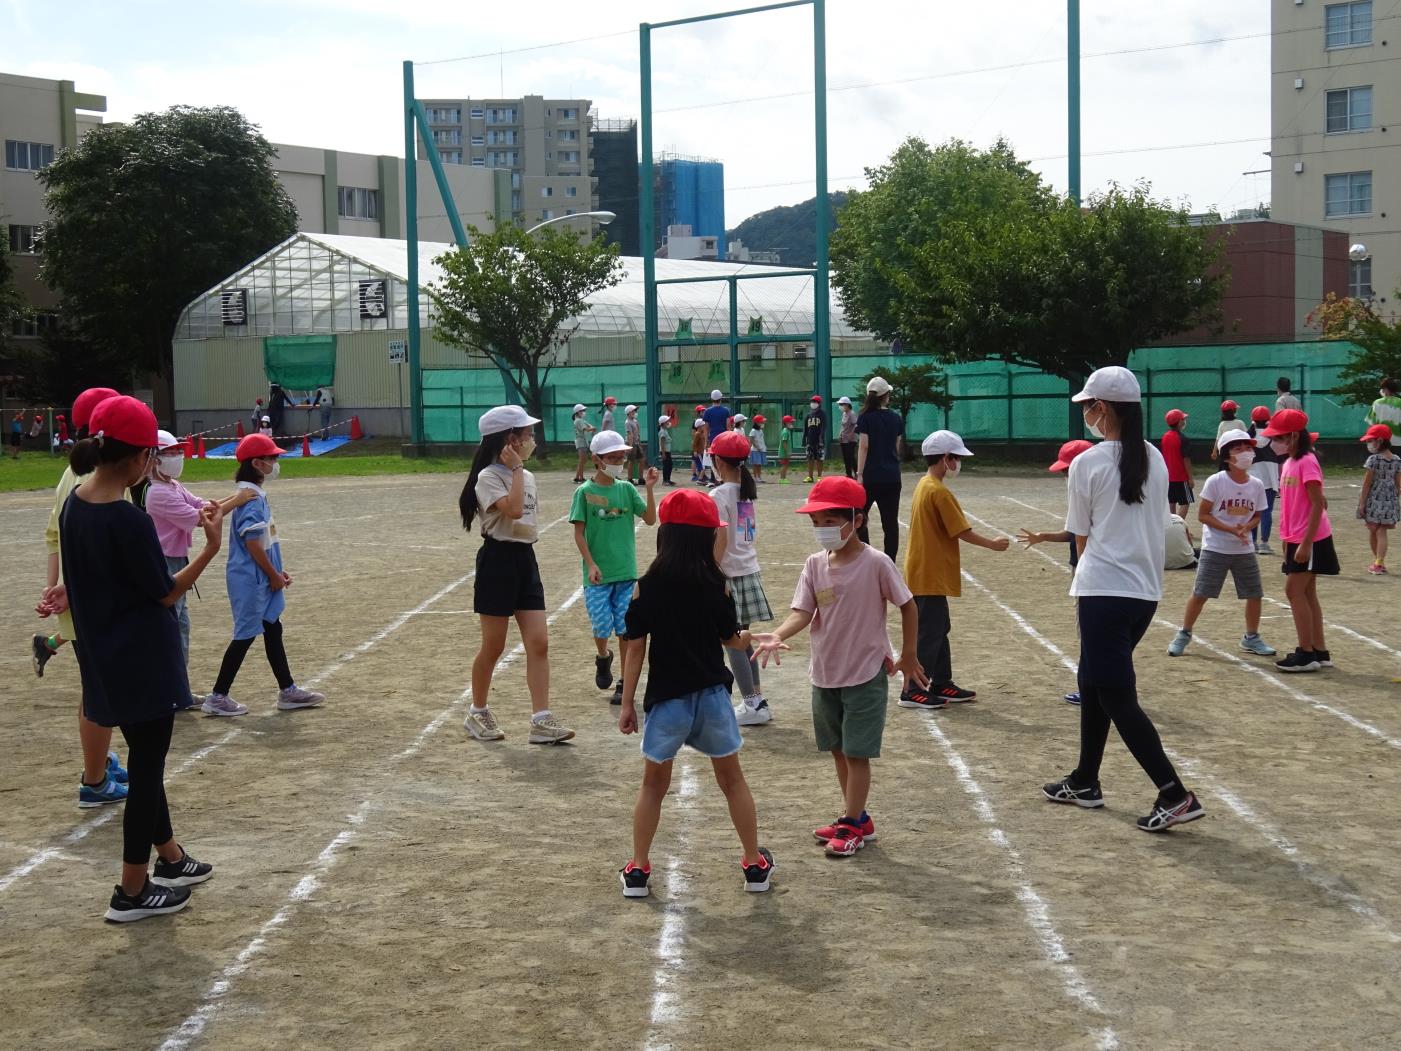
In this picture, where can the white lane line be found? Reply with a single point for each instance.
(1032, 507)
(188, 1031)
(671, 939)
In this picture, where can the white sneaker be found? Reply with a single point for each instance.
(548, 730)
(482, 725)
(222, 704)
(295, 697)
(748, 716)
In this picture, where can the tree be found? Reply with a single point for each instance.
(145, 216)
(911, 385)
(789, 229)
(12, 310)
(1378, 342)
(513, 298)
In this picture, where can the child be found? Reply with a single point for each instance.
(609, 404)
(1228, 423)
(1307, 536)
(739, 561)
(502, 492)
(1265, 468)
(36, 429)
(266, 429)
(61, 432)
(120, 594)
(16, 434)
(1230, 508)
(842, 593)
(815, 438)
(687, 699)
(636, 449)
(759, 450)
(255, 418)
(1377, 503)
(255, 582)
(698, 432)
(932, 568)
(785, 449)
(582, 430)
(1178, 456)
(664, 448)
(602, 513)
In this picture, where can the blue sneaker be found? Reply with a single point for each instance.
(1255, 644)
(107, 792)
(115, 770)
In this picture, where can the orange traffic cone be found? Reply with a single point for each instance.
(238, 428)
(189, 446)
(355, 432)
(201, 447)
(306, 445)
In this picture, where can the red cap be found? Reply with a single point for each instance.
(1229, 406)
(125, 420)
(90, 399)
(256, 447)
(1174, 416)
(730, 444)
(817, 398)
(1378, 432)
(1286, 421)
(1070, 450)
(1260, 414)
(789, 419)
(688, 507)
(834, 493)
(39, 417)
(610, 401)
(60, 416)
(700, 408)
(760, 419)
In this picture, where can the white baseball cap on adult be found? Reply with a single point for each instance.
(878, 385)
(1111, 383)
(844, 401)
(504, 418)
(942, 443)
(579, 407)
(605, 442)
(663, 420)
(717, 395)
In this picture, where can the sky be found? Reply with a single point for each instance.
(1175, 94)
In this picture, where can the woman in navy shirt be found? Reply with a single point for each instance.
(879, 430)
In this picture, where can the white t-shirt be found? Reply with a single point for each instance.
(1177, 544)
(741, 557)
(493, 484)
(1231, 502)
(1124, 550)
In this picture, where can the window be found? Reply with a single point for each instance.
(516, 202)
(478, 113)
(22, 239)
(572, 113)
(31, 326)
(444, 115)
(447, 137)
(569, 135)
(515, 180)
(569, 156)
(548, 213)
(1349, 109)
(1359, 279)
(356, 202)
(28, 156)
(1347, 194)
(571, 191)
(450, 156)
(503, 159)
(1347, 25)
(478, 162)
(569, 211)
(478, 140)
(502, 138)
(503, 115)
(547, 191)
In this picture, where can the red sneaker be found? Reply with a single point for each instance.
(846, 842)
(867, 828)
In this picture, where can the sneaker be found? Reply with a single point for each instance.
(1264, 549)
(747, 716)
(634, 880)
(152, 901)
(603, 671)
(1072, 698)
(1256, 645)
(482, 725)
(1324, 658)
(866, 827)
(1375, 568)
(183, 873)
(1067, 791)
(846, 839)
(1163, 818)
(41, 654)
(955, 694)
(918, 698)
(109, 791)
(757, 876)
(807, 480)
(548, 730)
(222, 704)
(295, 697)
(783, 481)
(1299, 660)
(617, 697)
(1179, 642)
(115, 770)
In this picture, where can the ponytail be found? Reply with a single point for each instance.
(1133, 451)
(86, 455)
(747, 489)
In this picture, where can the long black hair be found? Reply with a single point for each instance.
(487, 454)
(1133, 450)
(685, 564)
(248, 473)
(873, 401)
(1303, 445)
(747, 489)
(85, 455)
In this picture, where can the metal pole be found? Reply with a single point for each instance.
(647, 224)
(435, 162)
(1072, 44)
(821, 321)
(734, 341)
(411, 228)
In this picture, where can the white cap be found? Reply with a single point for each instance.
(1112, 383)
(579, 407)
(629, 410)
(878, 385)
(844, 400)
(663, 420)
(165, 440)
(941, 443)
(717, 395)
(605, 442)
(741, 416)
(267, 419)
(1236, 435)
(504, 418)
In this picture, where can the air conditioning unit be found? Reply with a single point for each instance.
(1298, 83)
(1298, 167)
(233, 306)
(373, 302)
(800, 351)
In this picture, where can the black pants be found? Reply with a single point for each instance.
(238, 649)
(886, 497)
(1110, 628)
(146, 821)
(932, 643)
(849, 458)
(666, 467)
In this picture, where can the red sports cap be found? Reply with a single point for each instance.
(688, 507)
(835, 494)
(817, 398)
(731, 444)
(256, 447)
(700, 408)
(1229, 404)
(1070, 450)
(1260, 414)
(125, 420)
(760, 419)
(1378, 432)
(90, 399)
(789, 419)
(1286, 421)
(1174, 416)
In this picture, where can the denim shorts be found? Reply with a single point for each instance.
(608, 607)
(704, 720)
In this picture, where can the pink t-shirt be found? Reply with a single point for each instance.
(1294, 475)
(175, 511)
(849, 640)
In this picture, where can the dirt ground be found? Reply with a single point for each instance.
(383, 881)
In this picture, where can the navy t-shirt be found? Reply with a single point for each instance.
(882, 428)
(717, 419)
(129, 644)
(684, 652)
(815, 429)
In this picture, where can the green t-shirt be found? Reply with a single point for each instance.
(607, 512)
(785, 439)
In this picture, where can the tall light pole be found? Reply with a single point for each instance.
(1072, 47)
(603, 219)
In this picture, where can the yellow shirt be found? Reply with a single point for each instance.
(931, 557)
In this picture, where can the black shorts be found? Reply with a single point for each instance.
(508, 579)
(1323, 559)
(1179, 493)
(16, 439)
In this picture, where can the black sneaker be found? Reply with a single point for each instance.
(603, 671)
(1072, 698)
(617, 697)
(915, 697)
(41, 654)
(1164, 817)
(1067, 791)
(756, 877)
(634, 881)
(152, 901)
(183, 873)
(1299, 660)
(955, 694)
(1325, 660)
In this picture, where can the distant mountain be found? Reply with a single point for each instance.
(790, 230)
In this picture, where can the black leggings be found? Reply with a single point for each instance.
(666, 468)
(277, 659)
(146, 821)
(886, 497)
(1110, 628)
(849, 458)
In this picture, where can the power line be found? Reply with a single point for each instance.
(528, 48)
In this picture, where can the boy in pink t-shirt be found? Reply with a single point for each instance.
(842, 593)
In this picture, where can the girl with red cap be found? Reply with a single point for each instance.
(1377, 504)
(1265, 468)
(120, 594)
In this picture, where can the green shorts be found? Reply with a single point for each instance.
(851, 719)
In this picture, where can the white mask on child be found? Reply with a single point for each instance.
(276, 470)
(526, 449)
(953, 469)
(171, 466)
(615, 470)
(830, 537)
(1374, 447)
(1279, 447)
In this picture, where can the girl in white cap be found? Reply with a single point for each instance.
(637, 451)
(664, 447)
(582, 429)
(1117, 493)
(501, 492)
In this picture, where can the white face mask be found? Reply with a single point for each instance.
(830, 537)
(527, 447)
(1374, 447)
(952, 470)
(276, 470)
(1093, 428)
(814, 406)
(615, 470)
(1279, 446)
(1243, 459)
(172, 466)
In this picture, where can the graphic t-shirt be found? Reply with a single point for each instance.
(932, 556)
(1176, 452)
(607, 512)
(1234, 503)
(683, 652)
(1387, 411)
(815, 429)
(493, 485)
(849, 640)
(741, 557)
(1294, 476)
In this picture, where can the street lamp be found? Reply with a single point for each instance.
(1359, 253)
(604, 218)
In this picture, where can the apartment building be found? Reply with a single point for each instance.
(1335, 116)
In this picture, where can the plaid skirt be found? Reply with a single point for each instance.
(751, 604)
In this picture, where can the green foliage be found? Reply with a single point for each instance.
(145, 217)
(918, 384)
(12, 309)
(1378, 343)
(789, 229)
